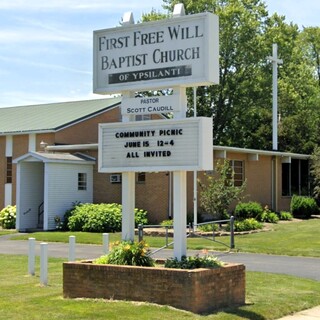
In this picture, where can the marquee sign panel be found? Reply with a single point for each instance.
(157, 145)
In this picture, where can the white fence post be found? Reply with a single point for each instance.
(31, 256)
(44, 263)
(72, 248)
(105, 243)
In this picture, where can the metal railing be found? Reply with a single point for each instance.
(193, 232)
(231, 221)
(40, 212)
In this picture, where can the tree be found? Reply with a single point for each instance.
(241, 105)
(219, 192)
(315, 172)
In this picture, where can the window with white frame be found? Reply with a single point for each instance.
(82, 181)
(237, 167)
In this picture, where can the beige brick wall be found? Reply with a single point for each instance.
(86, 131)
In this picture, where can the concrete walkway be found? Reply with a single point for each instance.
(296, 266)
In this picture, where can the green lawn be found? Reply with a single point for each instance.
(21, 297)
(293, 239)
(4, 232)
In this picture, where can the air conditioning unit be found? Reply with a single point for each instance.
(115, 178)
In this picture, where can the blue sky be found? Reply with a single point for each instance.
(46, 46)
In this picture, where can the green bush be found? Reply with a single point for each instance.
(283, 215)
(245, 210)
(246, 225)
(303, 207)
(100, 217)
(128, 253)
(208, 227)
(193, 262)
(8, 217)
(167, 223)
(268, 216)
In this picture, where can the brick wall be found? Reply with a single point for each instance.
(198, 291)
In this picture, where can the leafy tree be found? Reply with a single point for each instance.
(241, 105)
(315, 172)
(219, 192)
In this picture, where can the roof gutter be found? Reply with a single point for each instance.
(71, 147)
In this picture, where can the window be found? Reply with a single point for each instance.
(82, 181)
(9, 170)
(295, 178)
(142, 117)
(238, 172)
(141, 177)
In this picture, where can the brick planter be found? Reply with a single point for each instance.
(198, 291)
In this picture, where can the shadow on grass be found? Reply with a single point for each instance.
(244, 314)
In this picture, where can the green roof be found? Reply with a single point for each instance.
(50, 117)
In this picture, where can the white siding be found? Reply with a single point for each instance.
(7, 194)
(32, 142)
(30, 193)
(62, 189)
(8, 146)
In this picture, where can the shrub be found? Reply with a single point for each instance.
(8, 217)
(245, 210)
(283, 215)
(193, 262)
(303, 207)
(128, 253)
(100, 217)
(167, 223)
(246, 225)
(208, 227)
(268, 216)
(219, 192)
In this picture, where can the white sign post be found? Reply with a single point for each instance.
(173, 53)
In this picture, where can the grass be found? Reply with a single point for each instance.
(22, 297)
(4, 232)
(292, 239)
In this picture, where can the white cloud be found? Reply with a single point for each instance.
(83, 5)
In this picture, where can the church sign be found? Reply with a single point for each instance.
(160, 54)
(157, 145)
(150, 105)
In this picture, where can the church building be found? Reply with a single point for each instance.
(49, 161)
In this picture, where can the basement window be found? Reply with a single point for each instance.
(82, 181)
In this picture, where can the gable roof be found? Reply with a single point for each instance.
(77, 158)
(50, 117)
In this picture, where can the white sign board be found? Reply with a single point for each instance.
(150, 105)
(157, 145)
(180, 51)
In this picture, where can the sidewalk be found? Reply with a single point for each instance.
(309, 314)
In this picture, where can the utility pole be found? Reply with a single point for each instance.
(275, 61)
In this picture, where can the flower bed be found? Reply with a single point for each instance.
(197, 290)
